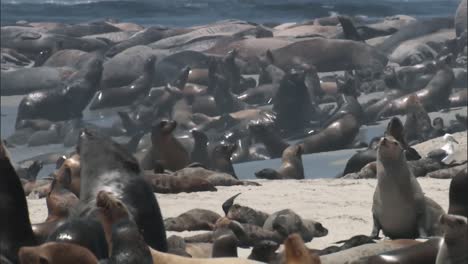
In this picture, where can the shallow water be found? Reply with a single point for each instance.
(196, 12)
(317, 165)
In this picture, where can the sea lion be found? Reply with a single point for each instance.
(337, 135)
(297, 253)
(458, 191)
(292, 102)
(220, 157)
(291, 166)
(59, 201)
(167, 183)
(433, 97)
(243, 214)
(266, 134)
(200, 148)
(106, 165)
(418, 123)
(455, 243)
(264, 251)
(419, 253)
(286, 222)
(28, 80)
(128, 245)
(125, 95)
(225, 246)
(460, 18)
(68, 174)
(192, 220)
(16, 231)
(329, 55)
(55, 253)
(398, 189)
(166, 149)
(71, 100)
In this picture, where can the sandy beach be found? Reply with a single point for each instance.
(342, 206)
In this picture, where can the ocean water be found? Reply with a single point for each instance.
(196, 12)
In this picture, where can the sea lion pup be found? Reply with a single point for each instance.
(291, 166)
(106, 165)
(400, 208)
(166, 149)
(453, 249)
(169, 183)
(68, 174)
(286, 222)
(220, 157)
(297, 253)
(56, 253)
(458, 194)
(410, 252)
(243, 214)
(125, 95)
(264, 251)
(200, 149)
(192, 220)
(264, 133)
(418, 123)
(225, 246)
(15, 223)
(66, 102)
(59, 201)
(338, 134)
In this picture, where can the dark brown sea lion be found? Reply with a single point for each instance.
(200, 149)
(297, 253)
(125, 95)
(458, 202)
(16, 226)
(71, 99)
(220, 157)
(225, 246)
(398, 189)
(291, 166)
(56, 253)
(106, 165)
(266, 134)
(264, 251)
(166, 183)
(192, 220)
(418, 123)
(337, 135)
(167, 150)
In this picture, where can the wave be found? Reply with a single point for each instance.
(190, 12)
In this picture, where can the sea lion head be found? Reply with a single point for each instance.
(164, 127)
(390, 149)
(53, 252)
(395, 128)
(112, 207)
(453, 225)
(293, 151)
(296, 251)
(224, 150)
(68, 173)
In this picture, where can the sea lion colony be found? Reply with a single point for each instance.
(170, 84)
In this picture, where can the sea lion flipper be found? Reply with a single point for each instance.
(349, 30)
(376, 228)
(228, 203)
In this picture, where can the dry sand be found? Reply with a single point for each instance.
(342, 206)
